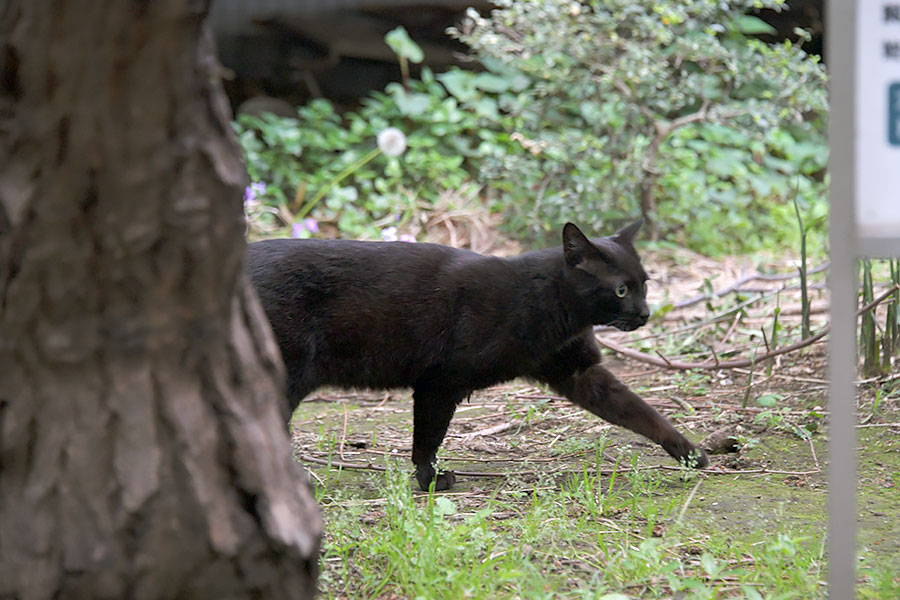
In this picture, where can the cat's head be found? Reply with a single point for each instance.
(607, 276)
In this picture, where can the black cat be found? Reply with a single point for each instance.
(447, 322)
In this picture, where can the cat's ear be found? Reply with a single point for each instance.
(575, 245)
(627, 233)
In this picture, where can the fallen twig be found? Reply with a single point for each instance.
(685, 406)
(343, 434)
(495, 415)
(879, 379)
(662, 361)
(687, 502)
(341, 464)
(489, 431)
(721, 345)
(722, 364)
(812, 449)
(746, 279)
(789, 377)
(370, 467)
(710, 321)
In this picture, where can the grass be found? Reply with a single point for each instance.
(589, 515)
(584, 513)
(580, 509)
(587, 536)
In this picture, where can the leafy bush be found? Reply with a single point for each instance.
(445, 140)
(585, 111)
(663, 107)
(735, 190)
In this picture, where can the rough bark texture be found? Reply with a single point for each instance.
(142, 453)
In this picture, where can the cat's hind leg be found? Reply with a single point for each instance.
(432, 410)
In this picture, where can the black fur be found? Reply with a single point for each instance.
(447, 322)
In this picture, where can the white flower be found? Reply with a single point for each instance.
(391, 141)
(389, 234)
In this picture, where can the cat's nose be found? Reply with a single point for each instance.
(644, 314)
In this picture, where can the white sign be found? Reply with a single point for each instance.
(877, 119)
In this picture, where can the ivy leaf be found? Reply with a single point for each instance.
(750, 593)
(460, 84)
(411, 104)
(709, 564)
(487, 107)
(750, 25)
(768, 400)
(491, 83)
(444, 506)
(400, 42)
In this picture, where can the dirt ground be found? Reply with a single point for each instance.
(777, 413)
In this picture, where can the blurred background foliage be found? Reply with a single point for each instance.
(592, 111)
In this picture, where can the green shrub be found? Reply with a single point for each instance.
(663, 107)
(585, 111)
(446, 139)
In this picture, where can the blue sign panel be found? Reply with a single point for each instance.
(894, 114)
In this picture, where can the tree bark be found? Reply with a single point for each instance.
(142, 450)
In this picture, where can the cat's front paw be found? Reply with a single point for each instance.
(687, 454)
(695, 459)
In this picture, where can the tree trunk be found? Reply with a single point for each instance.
(142, 450)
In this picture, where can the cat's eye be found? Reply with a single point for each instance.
(622, 290)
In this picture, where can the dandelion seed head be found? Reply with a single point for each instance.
(391, 141)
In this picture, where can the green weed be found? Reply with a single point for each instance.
(587, 536)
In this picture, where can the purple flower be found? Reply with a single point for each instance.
(302, 230)
(252, 191)
(406, 237)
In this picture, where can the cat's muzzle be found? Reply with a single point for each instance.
(630, 324)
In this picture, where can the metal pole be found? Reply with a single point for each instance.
(842, 511)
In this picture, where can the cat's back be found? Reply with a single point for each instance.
(348, 283)
(333, 262)
(362, 314)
